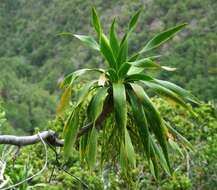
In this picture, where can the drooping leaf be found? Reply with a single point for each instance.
(138, 77)
(70, 132)
(69, 79)
(160, 156)
(178, 90)
(114, 40)
(92, 148)
(87, 40)
(83, 146)
(107, 51)
(97, 103)
(182, 139)
(149, 63)
(154, 119)
(129, 149)
(175, 146)
(123, 158)
(162, 37)
(168, 94)
(145, 62)
(134, 57)
(135, 70)
(83, 92)
(64, 101)
(67, 123)
(153, 164)
(141, 122)
(120, 105)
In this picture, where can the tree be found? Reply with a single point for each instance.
(120, 113)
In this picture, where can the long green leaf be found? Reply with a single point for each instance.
(141, 122)
(123, 158)
(149, 63)
(138, 77)
(83, 92)
(154, 119)
(162, 37)
(113, 75)
(70, 132)
(107, 51)
(88, 40)
(153, 164)
(123, 51)
(120, 105)
(168, 94)
(134, 20)
(96, 22)
(124, 68)
(175, 146)
(129, 149)
(145, 62)
(83, 146)
(114, 40)
(182, 139)
(130, 69)
(97, 103)
(161, 157)
(178, 90)
(92, 148)
(64, 101)
(69, 79)
(135, 70)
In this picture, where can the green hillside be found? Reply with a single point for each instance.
(33, 59)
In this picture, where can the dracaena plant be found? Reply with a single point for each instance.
(121, 117)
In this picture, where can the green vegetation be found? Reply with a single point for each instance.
(28, 36)
(200, 173)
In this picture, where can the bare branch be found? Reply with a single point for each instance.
(48, 136)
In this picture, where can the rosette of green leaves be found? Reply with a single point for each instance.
(122, 86)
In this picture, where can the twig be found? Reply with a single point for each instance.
(58, 165)
(52, 172)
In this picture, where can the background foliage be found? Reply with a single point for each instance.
(33, 59)
(194, 170)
